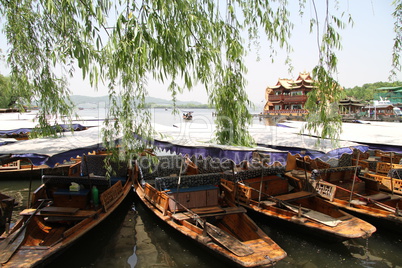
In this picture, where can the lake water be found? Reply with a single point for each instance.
(134, 237)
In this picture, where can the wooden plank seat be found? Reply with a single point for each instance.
(294, 196)
(208, 212)
(58, 210)
(63, 213)
(379, 197)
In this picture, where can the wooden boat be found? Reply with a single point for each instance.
(63, 210)
(269, 195)
(387, 175)
(342, 187)
(22, 169)
(7, 204)
(192, 205)
(188, 116)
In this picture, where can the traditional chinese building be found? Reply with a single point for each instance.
(350, 105)
(288, 96)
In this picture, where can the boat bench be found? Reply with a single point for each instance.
(294, 196)
(208, 212)
(53, 213)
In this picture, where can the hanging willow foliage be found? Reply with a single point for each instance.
(180, 43)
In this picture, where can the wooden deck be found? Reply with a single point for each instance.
(294, 196)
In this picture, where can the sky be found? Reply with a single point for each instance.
(365, 57)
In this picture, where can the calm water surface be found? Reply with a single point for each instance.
(134, 237)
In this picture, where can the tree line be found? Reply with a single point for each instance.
(367, 91)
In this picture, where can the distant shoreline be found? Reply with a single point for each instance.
(186, 106)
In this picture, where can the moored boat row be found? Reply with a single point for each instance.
(350, 188)
(206, 200)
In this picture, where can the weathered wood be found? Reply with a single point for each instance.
(43, 238)
(294, 196)
(263, 252)
(9, 246)
(326, 190)
(58, 210)
(315, 215)
(11, 243)
(111, 195)
(76, 227)
(208, 210)
(229, 242)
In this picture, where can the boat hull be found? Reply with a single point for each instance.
(44, 232)
(266, 252)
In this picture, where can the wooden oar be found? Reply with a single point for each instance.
(314, 215)
(9, 245)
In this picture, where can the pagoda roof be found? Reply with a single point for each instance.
(304, 80)
(350, 100)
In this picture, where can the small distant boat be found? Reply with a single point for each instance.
(9, 110)
(192, 205)
(63, 210)
(188, 115)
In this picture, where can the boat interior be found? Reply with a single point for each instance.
(63, 204)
